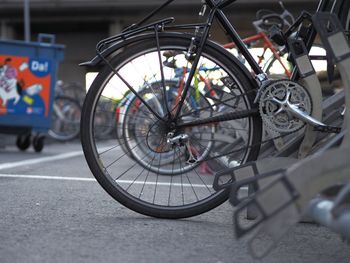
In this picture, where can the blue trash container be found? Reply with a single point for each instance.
(27, 82)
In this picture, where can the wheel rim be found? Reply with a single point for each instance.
(191, 186)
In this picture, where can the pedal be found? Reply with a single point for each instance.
(255, 182)
(247, 174)
(327, 129)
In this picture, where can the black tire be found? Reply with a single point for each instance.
(102, 168)
(23, 141)
(65, 122)
(38, 143)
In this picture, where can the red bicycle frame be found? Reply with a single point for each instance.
(261, 36)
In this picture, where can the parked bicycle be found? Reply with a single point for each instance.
(169, 142)
(66, 114)
(272, 58)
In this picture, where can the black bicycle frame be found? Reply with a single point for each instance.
(219, 14)
(215, 12)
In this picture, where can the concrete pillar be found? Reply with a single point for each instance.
(6, 31)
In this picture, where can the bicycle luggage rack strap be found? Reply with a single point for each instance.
(283, 202)
(335, 42)
(332, 35)
(305, 179)
(232, 172)
(129, 32)
(248, 175)
(257, 182)
(266, 204)
(310, 80)
(300, 55)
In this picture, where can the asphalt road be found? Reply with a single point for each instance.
(52, 210)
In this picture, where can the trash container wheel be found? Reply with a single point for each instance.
(38, 143)
(23, 141)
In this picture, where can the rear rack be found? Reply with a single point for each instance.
(131, 31)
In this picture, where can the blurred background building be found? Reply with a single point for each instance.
(80, 24)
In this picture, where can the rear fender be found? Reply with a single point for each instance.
(120, 46)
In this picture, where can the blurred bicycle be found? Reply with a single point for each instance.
(65, 124)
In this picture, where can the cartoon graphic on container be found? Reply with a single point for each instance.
(24, 85)
(9, 86)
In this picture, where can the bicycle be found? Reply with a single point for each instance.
(265, 19)
(65, 116)
(273, 59)
(174, 86)
(176, 189)
(67, 110)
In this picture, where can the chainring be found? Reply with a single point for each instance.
(272, 105)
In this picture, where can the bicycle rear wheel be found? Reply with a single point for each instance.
(166, 176)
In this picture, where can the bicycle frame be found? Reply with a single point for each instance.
(216, 12)
(107, 46)
(267, 44)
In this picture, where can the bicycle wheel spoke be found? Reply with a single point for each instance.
(171, 178)
(157, 162)
(109, 165)
(182, 189)
(155, 188)
(205, 108)
(200, 178)
(143, 186)
(127, 170)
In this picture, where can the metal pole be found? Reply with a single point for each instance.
(26, 21)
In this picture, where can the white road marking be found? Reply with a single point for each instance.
(47, 159)
(84, 179)
(40, 160)
(29, 176)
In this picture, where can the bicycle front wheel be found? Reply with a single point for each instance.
(162, 169)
